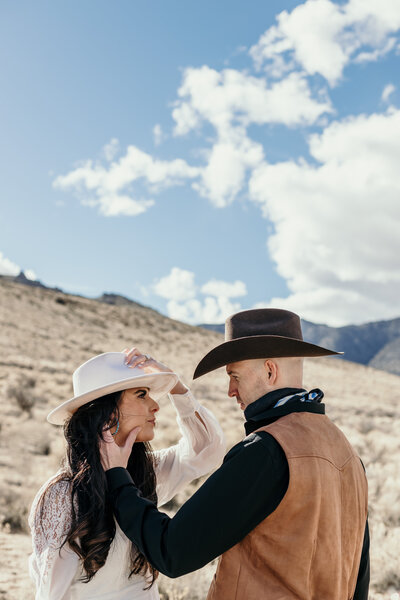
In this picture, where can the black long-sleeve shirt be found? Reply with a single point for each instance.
(232, 502)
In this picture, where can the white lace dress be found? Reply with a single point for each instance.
(57, 573)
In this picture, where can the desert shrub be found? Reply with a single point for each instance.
(22, 392)
(13, 512)
(366, 425)
(390, 580)
(42, 447)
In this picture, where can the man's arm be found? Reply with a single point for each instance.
(235, 499)
(361, 592)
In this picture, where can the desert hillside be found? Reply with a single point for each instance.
(46, 334)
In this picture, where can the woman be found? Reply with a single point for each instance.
(79, 551)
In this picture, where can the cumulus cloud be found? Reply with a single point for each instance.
(230, 101)
(230, 97)
(228, 163)
(30, 274)
(336, 236)
(209, 310)
(178, 286)
(184, 304)
(321, 36)
(224, 289)
(387, 92)
(109, 188)
(8, 267)
(111, 149)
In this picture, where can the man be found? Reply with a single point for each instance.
(287, 510)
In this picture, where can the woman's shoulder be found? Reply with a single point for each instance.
(52, 502)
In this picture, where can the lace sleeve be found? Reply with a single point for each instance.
(50, 519)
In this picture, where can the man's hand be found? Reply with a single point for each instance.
(111, 454)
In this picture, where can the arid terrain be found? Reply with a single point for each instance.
(46, 334)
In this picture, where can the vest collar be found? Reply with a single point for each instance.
(262, 411)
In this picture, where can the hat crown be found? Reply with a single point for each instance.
(103, 370)
(263, 321)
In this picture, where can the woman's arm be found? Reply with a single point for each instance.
(51, 569)
(200, 449)
(202, 445)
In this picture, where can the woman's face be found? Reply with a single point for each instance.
(136, 408)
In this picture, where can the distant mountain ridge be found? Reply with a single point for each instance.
(373, 344)
(107, 297)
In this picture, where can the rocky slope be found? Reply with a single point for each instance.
(45, 335)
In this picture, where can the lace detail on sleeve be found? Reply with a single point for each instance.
(50, 521)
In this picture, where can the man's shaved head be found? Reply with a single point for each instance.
(251, 379)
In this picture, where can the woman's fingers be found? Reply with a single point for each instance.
(137, 359)
(132, 353)
(111, 454)
(130, 440)
(107, 435)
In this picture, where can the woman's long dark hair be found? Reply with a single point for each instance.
(93, 527)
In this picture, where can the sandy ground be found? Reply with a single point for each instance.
(45, 335)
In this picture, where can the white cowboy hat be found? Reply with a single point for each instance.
(107, 373)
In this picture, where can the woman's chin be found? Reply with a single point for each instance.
(145, 436)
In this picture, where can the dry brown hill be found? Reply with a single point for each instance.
(46, 334)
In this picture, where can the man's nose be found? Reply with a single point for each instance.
(232, 392)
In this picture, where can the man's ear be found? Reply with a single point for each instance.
(271, 369)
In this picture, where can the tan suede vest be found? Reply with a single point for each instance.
(309, 548)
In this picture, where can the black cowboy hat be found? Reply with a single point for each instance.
(260, 333)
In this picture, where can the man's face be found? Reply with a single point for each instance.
(247, 381)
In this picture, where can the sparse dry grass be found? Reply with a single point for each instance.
(45, 335)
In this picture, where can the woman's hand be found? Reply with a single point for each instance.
(136, 358)
(112, 455)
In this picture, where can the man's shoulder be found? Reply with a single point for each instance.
(257, 444)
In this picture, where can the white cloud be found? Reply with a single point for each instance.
(230, 97)
(7, 267)
(111, 149)
(30, 274)
(178, 286)
(209, 310)
(376, 54)
(321, 36)
(387, 92)
(228, 162)
(158, 134)
(336, 224)
(231, 101)
(225, 289)
(182, 293)
(109, 188)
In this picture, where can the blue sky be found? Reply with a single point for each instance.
(207, 157)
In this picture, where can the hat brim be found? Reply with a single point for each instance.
(159, 384)
(257, 346)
